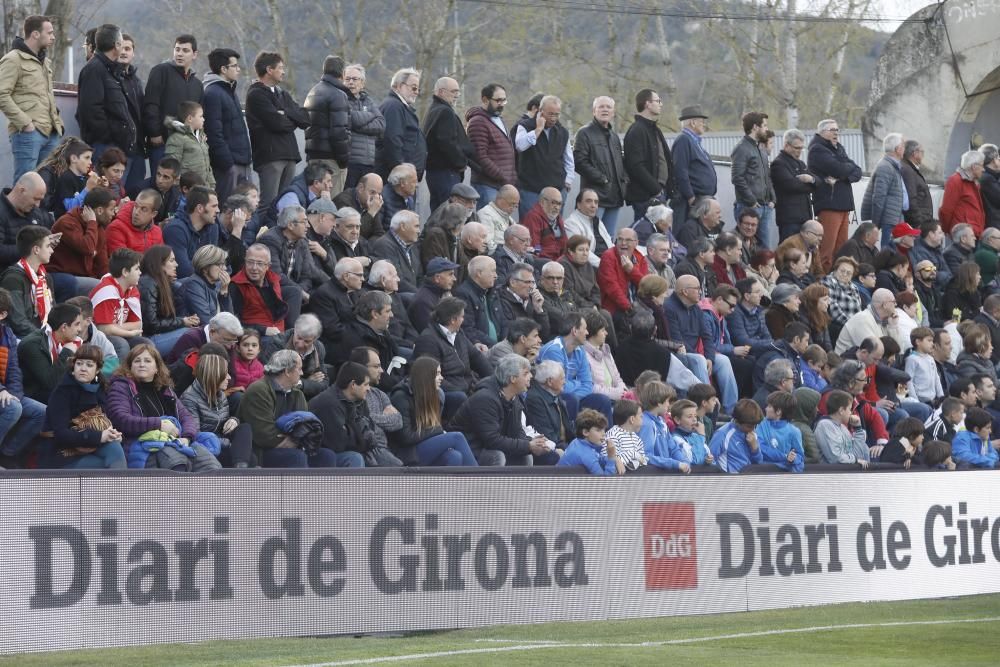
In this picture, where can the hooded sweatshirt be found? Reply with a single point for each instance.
(777, 437)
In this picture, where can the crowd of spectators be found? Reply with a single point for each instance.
(231, 310)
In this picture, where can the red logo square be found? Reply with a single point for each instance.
(670, 546)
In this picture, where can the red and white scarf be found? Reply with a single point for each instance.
(39, 288)
(55, 347)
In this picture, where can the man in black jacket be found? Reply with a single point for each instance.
(484, 322)
(384, 277)
(169, 84)
(135, 169)
(272, 117)
(544, 156)
(439, 279)
(370, 328)
(334, 302)
(102, 107)
(402, 247)
(793, 186)
(402, 140)
(597, 156)
(462, 363)
(833, 199)
(225, 127)
(348, 429)
(921, 208)
(647, 156)
(449, 150)
(329, 133)
(989, 183)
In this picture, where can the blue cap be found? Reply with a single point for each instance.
(439, 264)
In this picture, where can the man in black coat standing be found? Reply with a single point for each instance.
(793, 186)
(449, 150)
(169, 84)
(402, 140)
(597, 156)
(647, 156)
(273, 116)
(329, 134)
(225, 127)
(102, 108)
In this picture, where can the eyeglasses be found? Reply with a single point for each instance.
(790, 378)
(499, 100)
(352, 78)
(861, 379)
(832, 129)
(352, 273)
(731, 304)
(528, 281)
(255, 262)
(552, 202)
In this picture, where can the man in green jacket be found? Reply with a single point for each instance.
(44, 354)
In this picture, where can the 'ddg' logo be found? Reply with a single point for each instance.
(670, 546)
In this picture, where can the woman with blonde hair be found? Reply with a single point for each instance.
(206, 290)
(207, 402)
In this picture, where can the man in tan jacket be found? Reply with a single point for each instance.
(26, 97)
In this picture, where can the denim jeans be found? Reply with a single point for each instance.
(445, 449)
(609, 216)
(598, 402)
(528, 201)
(20, 422)
(439, 183)
(487, 193)
(30, 148)
(109, 456)
(349, 460)
(722, 370)
(297, 458)
(767, 231)
(67, 285)
(164, 342)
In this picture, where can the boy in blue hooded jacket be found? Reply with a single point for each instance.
(687, 441)
(780, 442)
(591, 437)
(973, 446)
(655, 397)
(735, 445)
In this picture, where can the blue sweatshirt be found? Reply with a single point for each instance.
(656, 439)
(967, 447)
(731, 451)
(579, 382)
(776, 438)
(584, 453)
(688, 447)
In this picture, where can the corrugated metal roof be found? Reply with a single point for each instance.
(721, 144)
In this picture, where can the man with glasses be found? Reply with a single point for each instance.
(746, 231)
(921, 209)
(885, 197)
(449, 150)
(346, 237)
(779, 375)
(597, 156)
(225, 127)
(725, 299)
(290, 254)
(793, 185)
(516, 249)
(877, 320)
(621, 270)
(498, 214)
(809, 242)
(304, 338)
(687, 326)
(494, 163)
(522, 298)
(402, 140)
(833, 199)
(367, 124)
(258, 297)
(545, 223)
(328, 136)
(546, 158)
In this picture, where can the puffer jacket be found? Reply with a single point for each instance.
(26, 90)
(495, 163)
(367, 126)
(328, 136)
(102, 108)
(125, 413)
(188, 148)
(209, 417)
(167, 86)
(597, 155)
(225, 127)
(149, 301)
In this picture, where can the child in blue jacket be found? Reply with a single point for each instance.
(972, 446)
(735, 445)
(780, 442)
(687, 441)
(655, 397)
(591, 433)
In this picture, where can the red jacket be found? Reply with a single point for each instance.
(495, 164)
(251, 307)
(614, 282)
(542, 236)
(962, 203)
(121, 233)
(722, 274)
(83, 248)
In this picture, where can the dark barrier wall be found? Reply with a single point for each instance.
(97, 560)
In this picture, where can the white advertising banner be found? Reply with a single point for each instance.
(111, 561)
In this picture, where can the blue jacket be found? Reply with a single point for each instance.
(812, 379)
(883, 200)
(688, 447)
(139, 450)
(777, 437)
(579, 382)
(717, 330)
(749, 328)
(688, 326)
(731, 451)
(657, 442)
(179, 234)
(583, 453)
(13, 382)
(203, 299)
(225, 128)
(694, 172)
(967, 447)
(402, 141)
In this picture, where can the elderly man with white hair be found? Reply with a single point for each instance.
(585, 220)
(290, 253)
(484, 322)
(402, 248)
(19, 207)
(833, 199)
(304, 339)
(471, 244)
(877, 320)
(597, 157)
(400, 191)
(402, 141)
(962, 200)
(886, 198)
(334, 301)
(498, 215)
(544, 409)
(346, 237)
(383, 276)
(545, 158)
(449, 150)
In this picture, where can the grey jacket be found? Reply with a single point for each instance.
(751, 174)
(210, 418)
(294, 261)
(378, 401)
(883, 202)
(367, 125)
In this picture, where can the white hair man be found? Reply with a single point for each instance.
(597, 157)
(545, 156)
(833, 199)
(448, 148)
(384, 276)
(886, 198)
(400, 191)
(877, 320)
(367, 123)
(402, 140)
(793, 185)
(498, 215)
(962, 201)
(401, 247)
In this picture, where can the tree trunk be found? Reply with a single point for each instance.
(61, 13)
(671, 110)
(791, 70)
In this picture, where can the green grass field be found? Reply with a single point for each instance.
(951, 632)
